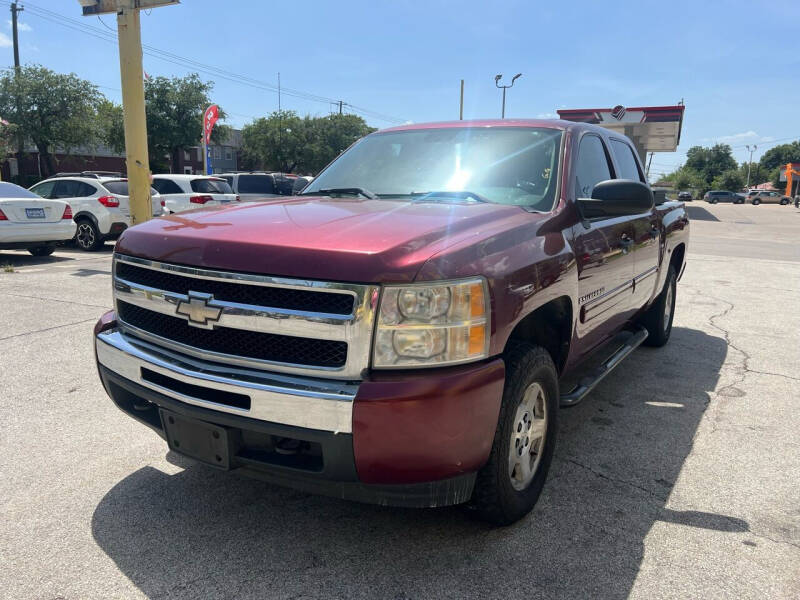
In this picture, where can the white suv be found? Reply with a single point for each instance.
(100, 206)
(184, 192)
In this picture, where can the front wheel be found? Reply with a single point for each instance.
(756, 202)
(658, 318)
(510, 483)
(42, 250)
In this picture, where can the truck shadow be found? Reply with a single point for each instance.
(204, 533)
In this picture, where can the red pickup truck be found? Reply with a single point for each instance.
(405, 330)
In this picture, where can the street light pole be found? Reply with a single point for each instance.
(750, 162)
(497, 79)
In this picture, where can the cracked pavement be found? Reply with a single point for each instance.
(677, 477)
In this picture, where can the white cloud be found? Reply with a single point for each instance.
(745, 137)
(5, 41)
(20, 26)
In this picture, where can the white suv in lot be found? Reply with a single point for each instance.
(100, 206)
(184, 192)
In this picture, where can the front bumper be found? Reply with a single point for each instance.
(413, 439)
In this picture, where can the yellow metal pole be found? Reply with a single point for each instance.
(131, 73)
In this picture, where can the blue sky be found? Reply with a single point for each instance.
(734, 62)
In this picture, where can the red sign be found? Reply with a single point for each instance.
(209, 118)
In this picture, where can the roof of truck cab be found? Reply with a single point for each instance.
(545, 123)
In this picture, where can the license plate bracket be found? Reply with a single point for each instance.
(202, 441)
(34, 213)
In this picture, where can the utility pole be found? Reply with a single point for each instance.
(461, 105)
(340, 107)
(750, 162)
(504, 88)
(15, 10)
(129, 36)
(649, 162)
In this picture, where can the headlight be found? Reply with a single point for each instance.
(432, 325)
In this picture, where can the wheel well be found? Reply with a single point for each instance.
(677, 257)
(85, 217)
(549, 326)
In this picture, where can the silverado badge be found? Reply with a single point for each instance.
(198, 310)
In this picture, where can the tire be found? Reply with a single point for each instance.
(713, 201)
(784, 202)
(42, 250)
(658, 318)
(503, 492)
(87, 237)
(756, 201)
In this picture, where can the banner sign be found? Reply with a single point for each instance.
(209, 119)
(209, 168)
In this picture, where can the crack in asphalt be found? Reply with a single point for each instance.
(743, 366)
(10, 337)
(602, 475)
(55, 300)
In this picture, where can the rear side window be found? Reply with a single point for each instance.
(229, 179)
(70, 188)
(211, 186)
(167, 186)
(628, 168)
(592, 166)
(256, 184)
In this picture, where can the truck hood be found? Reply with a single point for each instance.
(341, 239)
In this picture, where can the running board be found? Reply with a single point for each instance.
(589, 382)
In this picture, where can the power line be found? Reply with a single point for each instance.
(110, 36)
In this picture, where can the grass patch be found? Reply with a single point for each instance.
(8, 268)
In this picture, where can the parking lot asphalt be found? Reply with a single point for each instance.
(676, 478)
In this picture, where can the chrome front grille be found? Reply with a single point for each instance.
(286, 325)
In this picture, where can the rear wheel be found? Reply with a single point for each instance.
(784, 202)
(42, 250)
(658, 318)
(756, 201)
(510, 483)
(87, 237)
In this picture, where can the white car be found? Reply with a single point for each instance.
(32, 223)
(100, 206)
(184, 192)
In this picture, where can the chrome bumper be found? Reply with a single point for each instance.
(325, 405)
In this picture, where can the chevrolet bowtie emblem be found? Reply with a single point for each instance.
(198, 310)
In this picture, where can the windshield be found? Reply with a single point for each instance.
(12, 190)
(210, 186)
(256, 184)
(513, 165)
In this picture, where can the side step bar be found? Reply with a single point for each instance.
(589, 382)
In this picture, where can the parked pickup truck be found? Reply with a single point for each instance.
(404, 331)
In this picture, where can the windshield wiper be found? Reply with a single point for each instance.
(463, 195)
(352, 191)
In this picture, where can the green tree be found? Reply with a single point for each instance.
(110, 128)
(283, 141)
(275, 142)
(56, 111)
(780, 155)
(175, 108)
(710, 163)
(686, 179)
(731, 180)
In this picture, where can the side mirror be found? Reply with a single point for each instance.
(617, 198)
